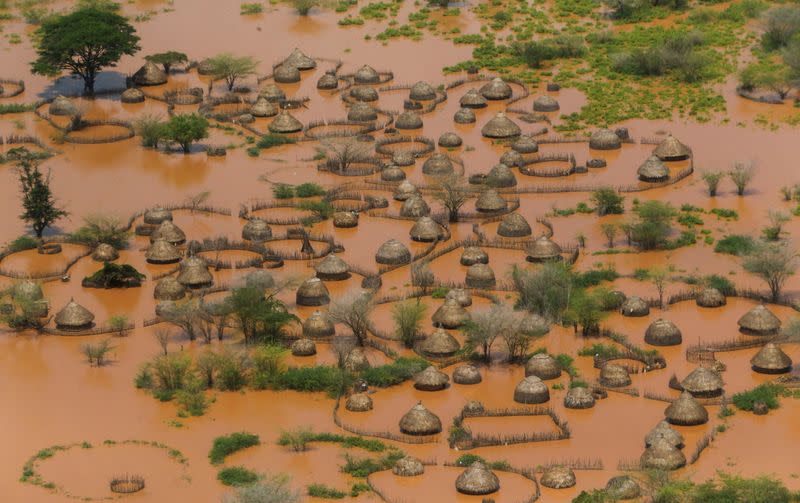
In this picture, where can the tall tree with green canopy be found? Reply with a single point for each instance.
(83, 42)
(185, 129)
(38, 202)
(167, 59)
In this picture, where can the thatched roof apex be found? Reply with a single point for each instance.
(425, 229)
(420, 421)
(686, 411)
(663, 333)
(431, 379)
(653, 170)
(437, 164)
(604, 139)
(415, 206)
(319, 324)
(672, 150)
(332, 267)
(614, 376)
(531, 390)
(422, 91)
(408, 120)
(286, 74)
(543, 366)
(474, 255)
(168, 231)
(501, 176)
(393, 252)
(490, 201)
(300, 60)
(154, 216)
(480, 275)
(312, 292)
(710, 297)
(665, 432)
(256, 230)
(478, 479)
(285, 123)
(169, 288)
(525, 144)
(759, 321)
(149, 74)
(73, 316)
(500, 126)
(440, 343)
(464, 116)
(496, 89)
(662, 456)
(771, 360)
(366, 75)
(703, 382)
(472, 99)
(545, 103)
(543, 248)
(558, 477)
(162, 252)
(449, 139)
(514, 225)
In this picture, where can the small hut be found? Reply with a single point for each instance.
(304, 347)
(393, 252)
(161, 252)
(663, 431)
(403, 158)
(440, 344)
(473, 407)
(431, 379)
(425, 230)
(285, 123)
(477, 480)
(653, 170)
(169, 288)
(545, 103)
(404, 191)
(361, 112)
(467, 374)
(312, 292)
(579, 398)
(500, 127)
(604, 139)
(272, 93)
(286, 74)
(420, 421)
(408, 120)
(460, 295)
(663, 333)
(62, 106)
(356, 360)
(634, 307)
(672, 150)
(256, 230)
(358, 402)
(501, 176)
(438, 164)
(525, 145)
(531, 390)
(464, 116)
(480, 275)
(422, 91)
(686, 411)
(328, 81)
(512, 158)
(392, 173)
(473, 255)
(472, 99)
(490, 201)
(662, 456)
(450, 140)
(366, 75)
(543, 366)
(74, 316)
(170, 232)
(543, 249)
(298, 59)
(408, 467)
(771, 360)
(104, 252)
(415, 206)
(623, 487)
(759, 321)
(332, 268)
(263, 108)
(149, 74)
(132, 95)
(194, 273)
(496, 89)
(514, 225)
(703, 382)
(318, 325)
(558, 477)
(154, 216)
(345, 219)
(614, 376)
(710, 297)
(450, 315)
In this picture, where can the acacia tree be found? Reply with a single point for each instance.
(488, 325)
(610, 231)
(38, 202)
(773, 263)
(260, 317)
(167, 59)
(742, 174)
(230, 68)
(353, 311)
(452, 192)
(185, 129)
(83, 42)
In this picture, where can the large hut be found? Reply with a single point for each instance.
(403, 158)
(161, 252)
(154, 216)
(525, 144)
(477, 480)
(104, 252)
(464, 116)
(303, 347)
(545, 103)
(759, 321)
(431, 379)
(392, 173)
(272, 93)
(285, 123)
(361, 112)
(149, 74)
(345, 219)
(534, 325)
(404, 191)
(460, 295)
(415, 206)
(169, 288)
(543, 249)
(62, 105)
(438, 164)
(358, 402)
(663, 431)
(256, 230)
(710, 297)
(703, 382)
(408, 120)
(263, 108)
(74, 316)
(393, 252)
(422, 91)
(286, 74)
(490, 202)
(500, 127)
(467, 374)
(480, 275)
(604, 139)
(531, 390)
(298, 59)
(771, 360)
(634, 307)
(496, 89)
(312, 292)
(623, 487)
(450, 315)
(366, 75)
(543, 366)
(356, 360)
(663, 333)
(501, 176)
(364, 93)
(449, 139)
(194, 273)
(672, 150)
(332, 268)
(514, 225)
(614, 376)
(558, 477)
(408, 467)
(473, 255)
(662, 456)
(168, 231)
(472, 99)
(686, 411)
(439, 344)
(653, 169)
(420, 421)
(425, 230)
(318, 325)
(579, 398)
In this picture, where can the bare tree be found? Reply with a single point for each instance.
(490, 324)
(741, 174)
(660, 278)
(185, 315)
(342, 345)
(610, 231)
(162, 337)
(194, 201)
(452, 192)
(343, 155)
(352, 311)
(777, 219)
(422, 276)
(774, 263)
(96, 353)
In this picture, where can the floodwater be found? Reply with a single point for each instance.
(51, 396)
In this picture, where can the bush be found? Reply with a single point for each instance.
(721, 283)
(309, 190)
(283, 191)
(151, 129)
(274, 140)
(608, 201)
(676, 54)
(23, 243)
(320, 209)
(332, 380)
(237, 476)
(231, 371)
(537, 52)
(393, 373)
(251, 8)
(407, 317)
(275, 489)
(595, 276)
(303, 7)
(781, 24)
(363, 467)
(114, 276)
(767, 393)
(267, 365)
(98, 229)
(191, 398)
(296, 439)
(323, 491)
(228, 444)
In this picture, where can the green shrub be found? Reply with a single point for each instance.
(323, 491)
(363, 467)
(767, 393)
(358, 488)
(283, 191)
(191, 398)
(689, 219)
(721, 283)
(296, 439)
(320, 209)
(251, 8)
(13, 108)
(736, 244)
(393, 373)
(725, 214)
(274, 140)
(267, 365)
(595, 276)
(114, 276)
(23, 243)
(309, 190)
(332, 380)
(237, 476)
(228, 444)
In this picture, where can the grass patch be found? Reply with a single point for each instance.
(736, 244)
(327, 378)
(228, 444)
(323, 491)
(767, 393)
(237, 476)
(393, 373)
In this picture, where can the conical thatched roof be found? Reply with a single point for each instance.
(490, 201)
(149, 74)
(286, 74)
(662, 456)
(361, 112)
(404, 191)
(299, 60)
(653, 170)
(285, 123)
(663, 333)
(364, 93)
(542, 249)
(472, 99)
(356, 360)
(425, 229)
(604, 139)
(345, 219)
(263, 108)
(332, 268)
(511, 158)
(438, 163)
(464, 116)
(771, 360)
(312, 292)
(28, 290)
(74, 316)
(450, 140)
(473, 407)
(304, 347)
(500, 126)
(161, 252)
(467, 374)
(415, 206)
(422, 91)
(169, 232)
(671, 150)
(408, 120)
(634, 307)
(272, 93)
(759, 321)
(474, 255)
(132, 95)
(478, 479)
(543, 366)
(318, 325)
(531, 390)
(104, 252)
(440, 343)
(420, 421)
(194, 272)
(408, 467)
(169, 288)
(525, 145)
(686, 411)
(256, 230)
(358, 402)
(154, 216)
(480, 275)
(703, 382)
(260, 279)
(710, 297)
(545, 104)
(328, 81)
(558, 477)
(450, 315)
(496, 89)
(614, 376)
(579, 398)
(431, 379)
(663, 431)
(534, 324)
(62, 106)
(623, 487)
(403, 158)
(514, 225)
(393, 252)
(366, 75)
(460, 295)
(501, 176)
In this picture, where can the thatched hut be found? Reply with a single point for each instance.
(161, 252)
(512, 158)
(404, 191)
(460, 295)
(132, 95)
(531, 390)
(259, 279)
(623, 487)
(545, 103)
(439, 344)
(169, 288)
(543, 249)
(703, 382)
(450, 139)
(345, 219)
(328, 81)
(332, 268)
(579, 398)
(312, 292)
(514, 225)
(472, 99)
(477, 480)
(438, 164)
(710, 297)
(408, 120)
(154, 216)
(473, 407)
(480, 275)
(431, 379)
(366, 75)
(464, 116)
(426, 230)
(356, 360)
(558, 477)
(393, 252)
(422, 91)
(473, 255)
(467, 374)
(500, 127)
(104, 252)
(663, 431)
(403, 158)
(634, 307)
(304, 347)
(361, 112)
(285, 123)
(759, 321)
(450, 315)
(604, 139)
(392, 173)
(415, 207)
(686, 411)
(149, 74)
(534, 325)
(614, 376)
(272, 93)
(653, 170)
(420, 421)
(194, 273)
(256, 230)
(672, 150)
(501, 176)
(525, 145)
(298, 59)
(74, 316)
(358, 402)
(408, 467)
(263, 108)
(490, 201)
(771, 360)
(662, 456)
(496, 89)
(168, 231)
(62, 106)
(663, 333)
(543, 366)
(318, 325)
(286, 74)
